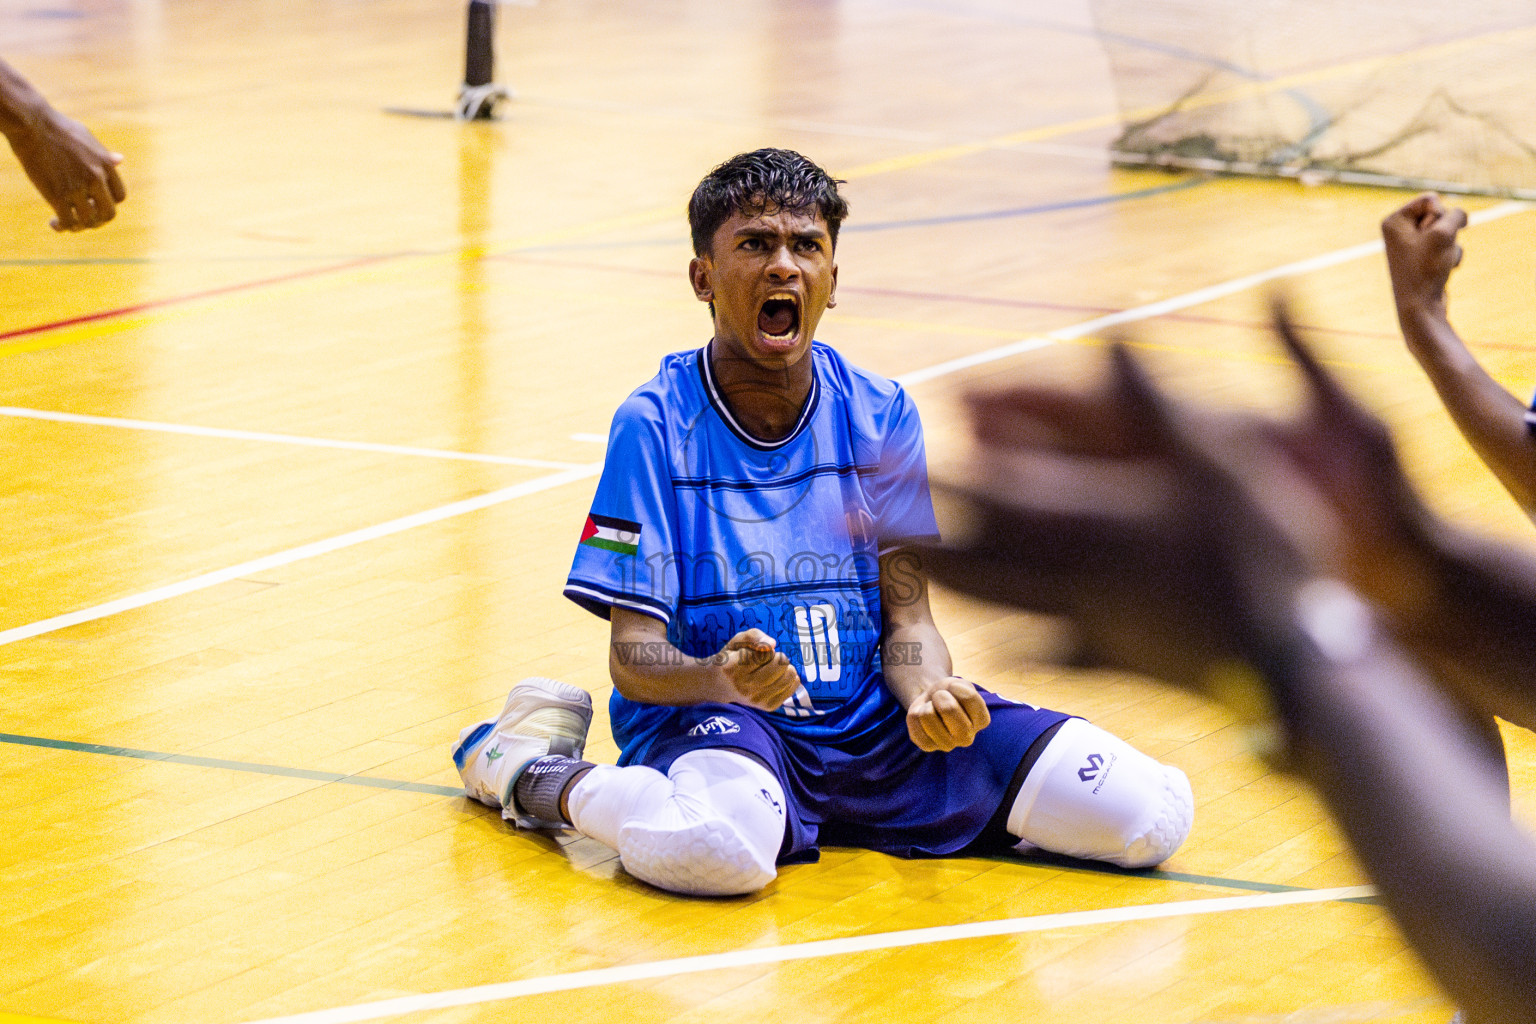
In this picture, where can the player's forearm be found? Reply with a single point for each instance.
(20, 104)
(1423, 811)
(653, 671)
(1491, 419)
(914, 658)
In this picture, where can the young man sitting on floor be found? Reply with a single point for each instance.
(778, 678)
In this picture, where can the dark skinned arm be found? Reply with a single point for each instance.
(1204, 574)
(1421, 253)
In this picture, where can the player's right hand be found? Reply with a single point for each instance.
(756, 671)
(72, 171)
(1422, 251)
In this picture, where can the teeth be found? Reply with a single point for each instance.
(793, 303)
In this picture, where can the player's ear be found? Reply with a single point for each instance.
(699, 270)
(832, 295)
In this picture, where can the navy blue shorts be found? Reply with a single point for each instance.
(882, 794)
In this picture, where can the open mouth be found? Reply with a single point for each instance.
(779, 319)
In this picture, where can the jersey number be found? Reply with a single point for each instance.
(816, 629)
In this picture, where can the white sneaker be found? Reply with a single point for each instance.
(541, 716)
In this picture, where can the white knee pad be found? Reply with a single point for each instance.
(1092, 795)
(712, 826)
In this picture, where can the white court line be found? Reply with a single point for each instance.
(1169, 305)
(808, 951)
(1178, 302)
(254, 435)
(298, 554)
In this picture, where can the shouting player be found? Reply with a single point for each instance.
(779, 682)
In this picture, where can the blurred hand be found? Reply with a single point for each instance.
(1383, 537)
(1156, 533)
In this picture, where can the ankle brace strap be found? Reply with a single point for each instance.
(537, 790)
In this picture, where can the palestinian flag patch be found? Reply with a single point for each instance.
(617, 535)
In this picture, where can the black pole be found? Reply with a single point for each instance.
(480, 54)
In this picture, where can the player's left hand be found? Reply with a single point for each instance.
(1421, 251)
(948, 715)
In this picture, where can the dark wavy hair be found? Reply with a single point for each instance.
(752, 182)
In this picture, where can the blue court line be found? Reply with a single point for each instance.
(1069, 864)
(890, 225)
(1038, 858)
(1025, 211)
(239, 766)
(918, 222)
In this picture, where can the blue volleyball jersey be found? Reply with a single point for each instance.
(712, 531)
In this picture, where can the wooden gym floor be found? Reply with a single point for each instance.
(296, 452)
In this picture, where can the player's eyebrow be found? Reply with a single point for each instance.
(815, 233)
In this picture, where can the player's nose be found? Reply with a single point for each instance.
(781, 265)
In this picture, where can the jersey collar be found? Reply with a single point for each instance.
(707, 372)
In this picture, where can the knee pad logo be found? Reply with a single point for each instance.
(1096, 768)
(769, 797)
(715, 725)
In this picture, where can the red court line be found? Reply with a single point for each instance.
(986, 300)
(177, 300)
(981, 300)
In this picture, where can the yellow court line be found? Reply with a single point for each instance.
(904, 163)
(1249, 90)
(75, 333)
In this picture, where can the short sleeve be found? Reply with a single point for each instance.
(625, 555)
(898, 493)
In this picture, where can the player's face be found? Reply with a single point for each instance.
(770, 275)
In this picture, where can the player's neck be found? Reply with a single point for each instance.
(765, 400)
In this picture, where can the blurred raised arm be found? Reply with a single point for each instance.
(1190, 547)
